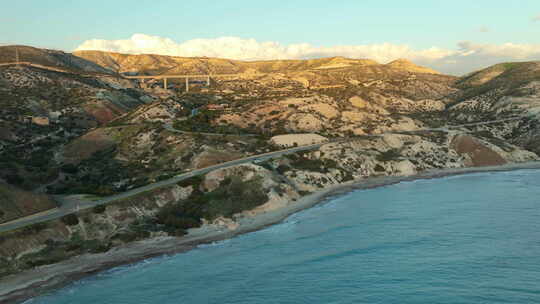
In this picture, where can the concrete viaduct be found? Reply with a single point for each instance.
(206, 77)
(142, 78)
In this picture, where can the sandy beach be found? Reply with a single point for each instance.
(31, 283)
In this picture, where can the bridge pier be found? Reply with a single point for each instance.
(208, 81)
(142, 84)
(187, 84)
(165, 83)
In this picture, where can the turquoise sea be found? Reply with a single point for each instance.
(464, 239)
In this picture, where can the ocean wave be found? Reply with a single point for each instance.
(215, 244)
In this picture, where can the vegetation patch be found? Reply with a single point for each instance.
(231, 197)
(389, 155)
(302, 162)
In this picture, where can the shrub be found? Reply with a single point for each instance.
(70, 220)
(194, 181)
(14, 179)
(99, 209)
(69, 168)
(388, 155)
(33, 229)
(233, 196)
(304, 163)
(347, 177)
(379, 168)
(281, 169)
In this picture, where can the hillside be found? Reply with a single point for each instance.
(508, 78)
(50, 58)
(16, 203)
(404, 64)
(159, 64)
(41, 110)
(503, 90)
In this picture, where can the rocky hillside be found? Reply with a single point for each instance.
(404, 64)
(160, 64)
(502, 91)
(17, 203)
(333, 102)
(42, 110)
(49, 58)
(223, 197)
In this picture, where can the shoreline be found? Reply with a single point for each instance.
(34, 282)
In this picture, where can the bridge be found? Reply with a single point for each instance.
(206, 77)
(142, 78)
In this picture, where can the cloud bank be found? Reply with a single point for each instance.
(468, 56)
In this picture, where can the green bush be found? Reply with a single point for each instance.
(69, 168)
(233, 196)
(99, 209)
(379, 168)
(389, 155)
(33, 229)
(281, 169)
(70, 220)
(194, 181)
(303, 163)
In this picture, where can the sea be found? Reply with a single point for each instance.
(471, 238)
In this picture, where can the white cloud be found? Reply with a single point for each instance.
(483, 29)
(467, 57)
(536, 18)
(251, 49)
(473, 56)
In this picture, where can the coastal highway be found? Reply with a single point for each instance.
(72, 204)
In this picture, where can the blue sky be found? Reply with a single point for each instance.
(419, 24)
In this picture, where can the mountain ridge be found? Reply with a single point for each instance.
(152, 63)
(48, 57)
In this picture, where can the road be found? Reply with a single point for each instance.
(169, 127)
(70, 205)
(54, 69)
(473, 124)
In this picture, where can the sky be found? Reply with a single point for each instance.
(454, 37)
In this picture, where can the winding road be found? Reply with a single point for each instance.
(74, 203)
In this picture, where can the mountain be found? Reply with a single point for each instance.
(160, 64)
(41, 110)
(507, 78)
(503, 90)
(404, 64)
(49, 58)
